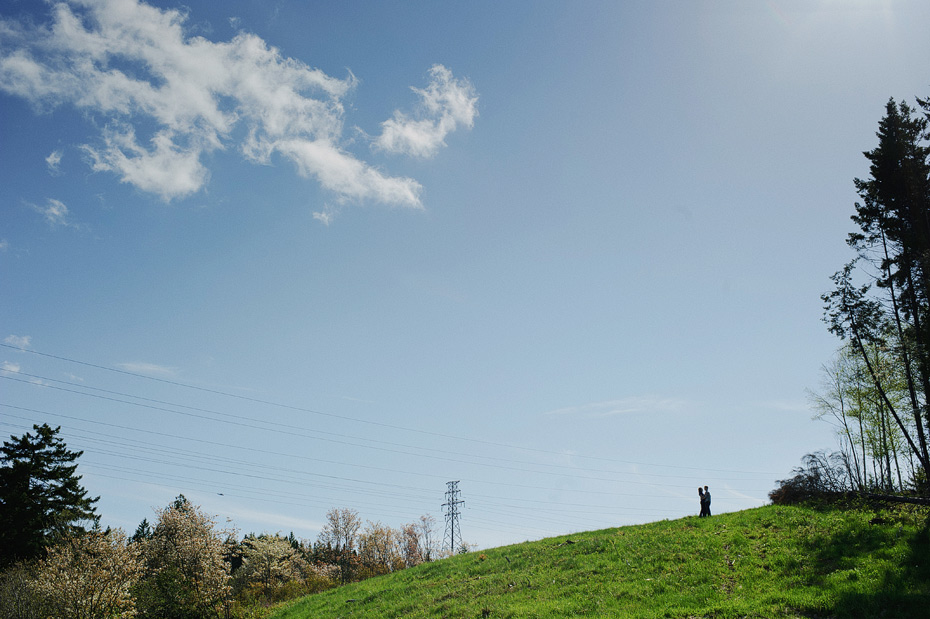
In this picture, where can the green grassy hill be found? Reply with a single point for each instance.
(765, 562)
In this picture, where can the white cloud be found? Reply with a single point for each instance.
(55, 212)
(347, 176)
(165, 170)
(18, 341)
(445, 105)
(165, 99)
(4, 245)
(787, 406)
(9, 366)
(626, 406)
(54, 161)
(324, 217)
(149, 369)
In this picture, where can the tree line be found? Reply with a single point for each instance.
(57, 562)
(876, 390)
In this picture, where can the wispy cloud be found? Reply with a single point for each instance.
(742, 495)
(165, 99)
(626, 406)
(19, 341)
(148, 369)
(53, 161)
(445, 105)
(54, 212)
(787, 406)
(325, 217)
(4, 245)
(164, 168)
(9, 366)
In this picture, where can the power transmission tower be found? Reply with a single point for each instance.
(451, 507)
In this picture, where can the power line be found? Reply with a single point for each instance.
(252, 475)
(355, 419)
(573, 472)
(364, 466)
(289, 428)
(496, 505)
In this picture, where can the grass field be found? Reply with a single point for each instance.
(771, 561)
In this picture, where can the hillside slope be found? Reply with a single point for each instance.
(765, 562)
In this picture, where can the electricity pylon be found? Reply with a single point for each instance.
(451, 507)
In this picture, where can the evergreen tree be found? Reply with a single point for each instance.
(143, 532)
(892, 309)
(41, 498)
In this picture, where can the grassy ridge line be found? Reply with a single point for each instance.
(770, 561)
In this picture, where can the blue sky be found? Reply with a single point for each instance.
(288, 256)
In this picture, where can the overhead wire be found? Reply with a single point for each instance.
(494, 505)
(43, 380)
(517, 507)
(356, 419)
(364, 466)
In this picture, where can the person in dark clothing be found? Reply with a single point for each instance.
(701, 494)
(706, 501)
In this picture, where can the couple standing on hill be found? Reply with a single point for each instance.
(704, 493)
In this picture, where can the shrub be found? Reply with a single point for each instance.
(823, 475)
(90, 576)
(19, 598)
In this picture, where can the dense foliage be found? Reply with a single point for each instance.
(183, 567)
(186, 574)
(89, 575)
(41, 497)
(881, 301)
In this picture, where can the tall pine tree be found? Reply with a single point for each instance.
(892, 309)
(41, 498)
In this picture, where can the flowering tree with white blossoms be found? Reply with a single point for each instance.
(186, 572)
(90, 576)
(270, 561)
